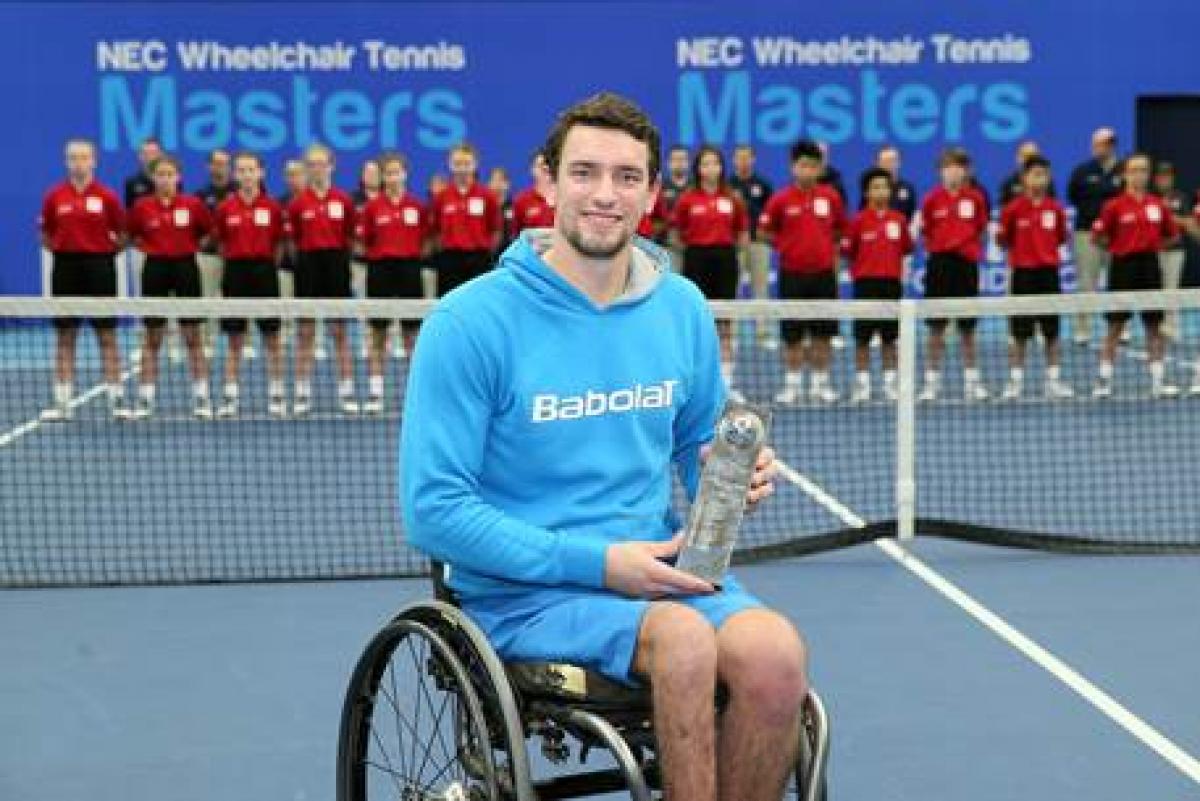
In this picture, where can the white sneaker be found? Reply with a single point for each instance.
(119, 411)
(202, 408)
(1103, 388)
(142, 409)
(301, 406)
(861, 394)
(929, 392)
(58, 413)
(837, 342)
(374, 405)
(248, 352)
(975, 391)
(1012, 391)
(349, 405)
(823, 394)
(277, 406)
(889, 392)
(1058, 390)
(1164, 390)
(788, 396)
(227, 409)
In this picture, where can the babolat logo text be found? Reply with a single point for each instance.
(547, 408)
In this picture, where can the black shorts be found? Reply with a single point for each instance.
(88, 275)
(1137, 272)
(170, 276)
(1035, 281)
(457, 267)
(877, 289)
(394, 278)
(948, 275)
(323, 273)
(712, 268)
(807, 286)
(250, 278)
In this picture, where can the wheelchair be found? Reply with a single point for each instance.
(432, 714)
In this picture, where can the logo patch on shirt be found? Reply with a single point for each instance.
(1153, 214)
(94, 205)
(893, 230)
(549, 407)
(475, 206)
(966, 208)
(724, 205)
(821, 207)
(1049, 219)
(411, 216)
(262, 217)
(183, 218)
(335, 210)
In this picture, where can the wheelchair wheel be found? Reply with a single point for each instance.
(413, 727)
(808, 781)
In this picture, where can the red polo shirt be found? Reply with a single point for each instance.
(876, 243)
(466, 220)
(531, 210)
(954, 222)
(322, 222)
(248, 230)
(87, 221)
(1032, 231)
(808, 226)
(709, 218)
(393, 228)
(1135, 225)
(169, 227)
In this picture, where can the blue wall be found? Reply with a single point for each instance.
(504, 69)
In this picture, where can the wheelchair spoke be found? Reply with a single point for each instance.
(392, 702)
(389, 770)
(436, 728)
(416, 664)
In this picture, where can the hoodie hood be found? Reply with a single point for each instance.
(649, 266)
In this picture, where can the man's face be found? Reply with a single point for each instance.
(879, 192)
(319, 165)
(1137, 174)
(710, 168)
(394, 177)
(953, 174)
(81, 161)
(743, 160)
(678, 164)
(249, 174)
(463, 165)
(807, 170)
(148, 152)
(602, 190)
(498, 183)
(1037, 179)
(218, 168)
(889, 160)
(1102, 146)
(371, 177)
(295, 179)
(166, 178)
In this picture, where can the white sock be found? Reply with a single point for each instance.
(231, 390)
(971, 375)
(793, 378)
(303, 389)
(116, 393)
(889, 378)
(820, 379)
(1017, 375)
(375, 386)
(275, 388)
(146, 392)
(345, 387)
(863, 379)
(63, 390)
(1157, 370)
(933, 377)
(1054, 372)
(200, 389)
(1106, 370)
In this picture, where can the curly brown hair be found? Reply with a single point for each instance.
(605, 110)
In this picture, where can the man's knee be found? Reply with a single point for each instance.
(676, 640)
(762, 661)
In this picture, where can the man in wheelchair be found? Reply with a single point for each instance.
(548, 402)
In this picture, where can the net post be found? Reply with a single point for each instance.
(906, 399)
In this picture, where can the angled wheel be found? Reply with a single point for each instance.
(413, 727)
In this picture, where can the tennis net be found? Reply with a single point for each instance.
(156, 494)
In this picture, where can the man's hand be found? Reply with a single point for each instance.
(635, 569)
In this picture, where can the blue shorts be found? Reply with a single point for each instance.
(594, 629)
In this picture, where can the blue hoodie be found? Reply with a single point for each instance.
(539, 427)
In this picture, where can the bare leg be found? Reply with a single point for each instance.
(761, 660)
(677, 650)
(305, 336)
(936, 348)
(1156, 344)
(274, 356)
(1016, 353)
(862, 358)
(197, 364)
(725, 334)
(378, 351)
(1108, 351)
(109, 354)
(889, 355)
(820, 350)
(967, 337)
(342, 345)
(233, 357)
(793, 356)
(151, 344)
(64, 354)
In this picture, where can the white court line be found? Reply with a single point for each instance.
(29, 426)
(1186, 764)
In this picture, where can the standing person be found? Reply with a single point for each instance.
(711, 223)
(220, 186)
(674, 184)
(466, 222)
(322, 222)
(141, 183)
(82, 225)
(1013, 185)
(393, 227)
(501, 186)
(575, 509)
(804, 222)
(953, 221)
(295, 182)
(168, 228)
(1033, 228)
(370, 185)
(754, 257)
(877, 242)
(533, 207)
(831, 176)
(1134, 227)
(1092, 183)
(904, 194)
(1173, 255)
(249, 230)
